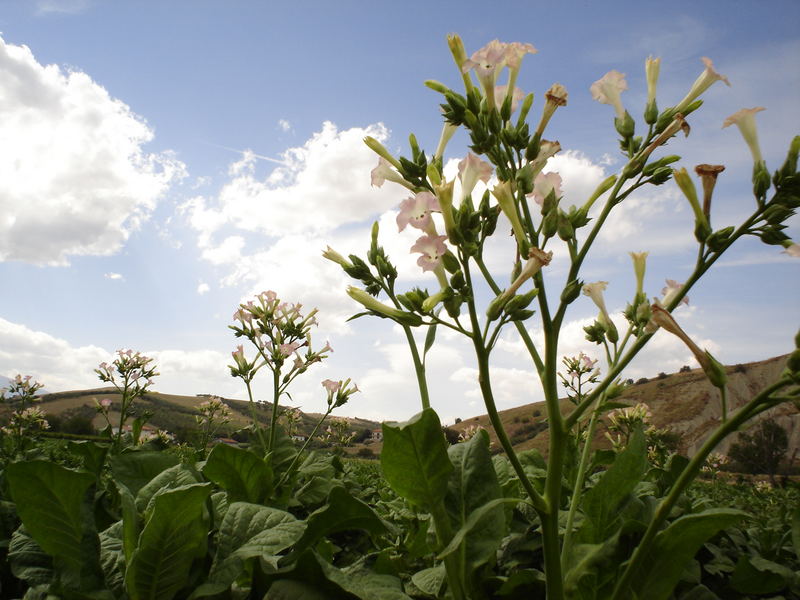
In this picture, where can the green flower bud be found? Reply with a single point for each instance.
(571, 291)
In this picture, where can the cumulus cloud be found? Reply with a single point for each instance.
(44, 7)
(203, 288)
(62, 366)
(284, 125)
(114, 276)
(74, 178)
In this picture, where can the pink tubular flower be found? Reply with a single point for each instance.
(331, 386)
(670, 291)
(105, 402)
(500, 93)
(385, 172)
(607, 90)
(515, 51)
(416, 211)
(792, 250)
(470, 170)
(432, 248)
(288, 349)
(544, 184)
(487, 62)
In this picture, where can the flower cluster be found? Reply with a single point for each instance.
(338, 433)
(278, 330)
(469, 432)
(580, 370)
(21, 390)
(129, 370)
(714, 463)
(27, 422)
(339, 392)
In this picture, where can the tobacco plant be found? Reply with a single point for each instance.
(609, 548)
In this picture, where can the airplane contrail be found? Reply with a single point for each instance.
(261, 156)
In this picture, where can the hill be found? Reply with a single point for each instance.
(684, 402)
(170, 412)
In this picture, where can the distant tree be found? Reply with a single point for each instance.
(365, 453)
(362, 436)
(458, 420)
(662, 375)
(685, 369)
(762, 450)
(79, 425)
(451, 435)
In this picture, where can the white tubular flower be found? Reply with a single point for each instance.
(447, 133)
(384, 172)
(554, 97)
(595, 292)
(607, 90)
(639, 265)
(704, 81)
(745, 120)
(652, 66)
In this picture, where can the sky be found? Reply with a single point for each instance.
(161, 162)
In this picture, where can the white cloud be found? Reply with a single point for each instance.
(284, 125)
(114, 276)
(74, 179)
(203, 288)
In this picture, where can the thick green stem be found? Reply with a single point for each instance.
(276, 393)
(760, 402)
(254, 415)
(419, 368)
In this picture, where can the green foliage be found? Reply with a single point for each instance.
(761, 450)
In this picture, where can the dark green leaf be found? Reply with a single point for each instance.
(757, 575)
(168, 479)
(242, 474)
(472, 485)
(112, 558)
(602, 502)
(286, 589)
(342, 512)
(414, 459)
(474, 522)
(250, 530)
(49, 499)
(675, 546)
(171, 539)
(134, 469)
(430, 580)
(27, 559)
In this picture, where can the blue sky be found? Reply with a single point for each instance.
(129, 216)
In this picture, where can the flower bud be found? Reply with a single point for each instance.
(571, 291)
(380, 150)
(373, 304)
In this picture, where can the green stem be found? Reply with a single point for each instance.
(419, 368)
(758, 404)
(484, 381)
(523, 333)
(254, 415)
(444, 533)
(288, 472)
(578, 485)
(276, 393)
(723, 393)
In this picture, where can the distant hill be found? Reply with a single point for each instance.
(6, 381)
(685, 402)
(170, 412)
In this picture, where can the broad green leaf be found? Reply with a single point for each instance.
(27, 559)
(414, 459)
(286, 589)
(367, 585)
(130, 520)
(242, 474)
(49, 500)
(526, 583)
(319, 465)
(314, 491)
(134, 469)
(675, 546)
(342, 512)
(430, 338)
(172, 538)
(472, 485)
(250, 530)
(699, 592)
(602, 502)
(168, 479)
(584, 559)
(92, 454)
(430, 580)
(112, 558)
(757, 575)
(475, 522)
